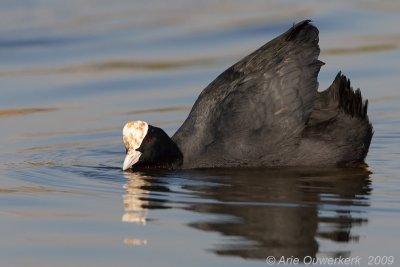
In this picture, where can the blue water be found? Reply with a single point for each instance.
(72, 73)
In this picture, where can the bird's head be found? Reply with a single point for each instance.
(149, 146)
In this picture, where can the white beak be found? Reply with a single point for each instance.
(131, 158)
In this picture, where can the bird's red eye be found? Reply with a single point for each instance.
(148, 140)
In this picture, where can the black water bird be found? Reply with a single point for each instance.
(263, 111)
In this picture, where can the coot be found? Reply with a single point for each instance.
(263, 111)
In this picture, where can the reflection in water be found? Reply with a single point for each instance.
(135, 202)
(261, 213)
(135, 199)
(135, 242)
(284, 211)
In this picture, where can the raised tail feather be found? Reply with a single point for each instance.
(349, 100)
(340, 119)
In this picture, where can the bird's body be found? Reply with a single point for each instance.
(265, 110)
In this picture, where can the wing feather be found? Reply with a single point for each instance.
(264, 99)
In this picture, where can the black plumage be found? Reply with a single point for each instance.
(265, 110)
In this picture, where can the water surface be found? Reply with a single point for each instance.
(72, 73)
